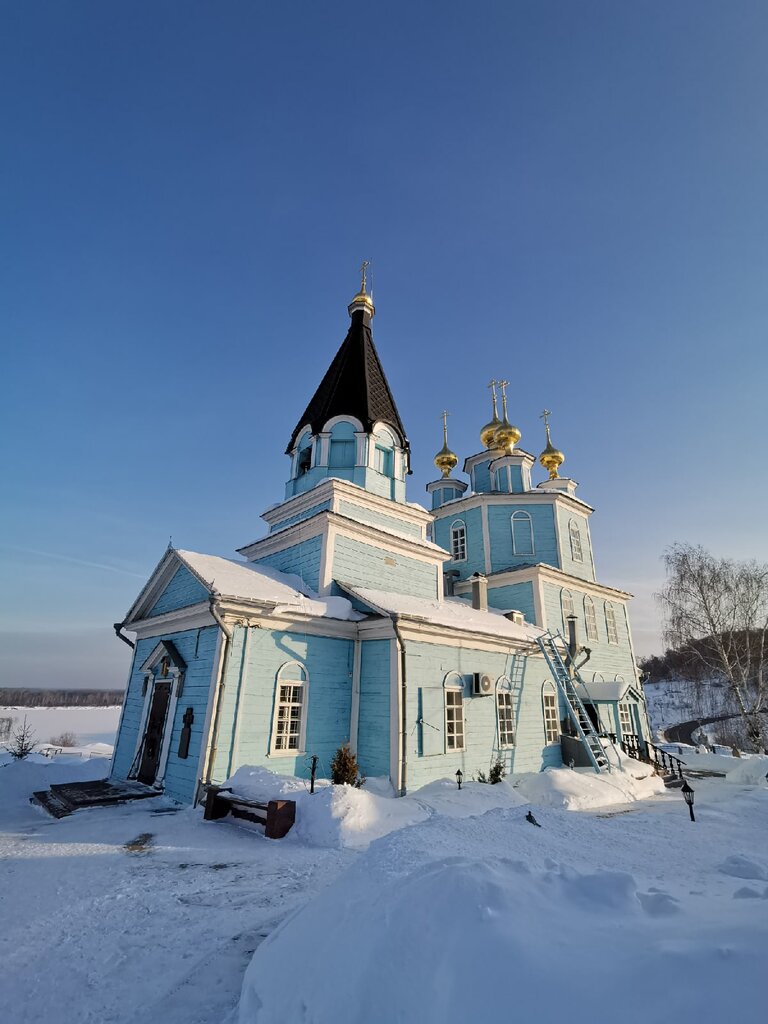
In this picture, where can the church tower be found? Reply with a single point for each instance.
(351, 428)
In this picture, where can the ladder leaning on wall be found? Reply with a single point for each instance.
(585, 729)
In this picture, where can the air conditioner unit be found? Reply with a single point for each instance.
(482, 685)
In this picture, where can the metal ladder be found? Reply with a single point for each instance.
(578, 714)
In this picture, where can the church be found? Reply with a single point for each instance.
(429, 640)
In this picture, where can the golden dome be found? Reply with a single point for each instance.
(506, 436)
(488, 433)
(551, 458)
(362, 300)
(446, 460)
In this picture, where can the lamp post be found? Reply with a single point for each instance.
(687, 792)
(459, 776)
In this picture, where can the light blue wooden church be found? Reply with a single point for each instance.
(430, 641)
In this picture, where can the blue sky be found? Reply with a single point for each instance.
(569, 194)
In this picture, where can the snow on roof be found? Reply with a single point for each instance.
(249, 582)
(450, 612)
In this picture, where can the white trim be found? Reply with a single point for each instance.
(610, 621)
(548, 689)
(450, 687)
(538, 602)
(334, 488)
(558, 537)
(574, 531)
(460, 527)
(589, 607)
(218, 664)
(505, 689)
(272, 750)
(569, 592)
(144, 712)
(170, 721)
(325, 575)
(354, 713)
(552, 574)
(179, 620)
(241, 689)
(285, 538)
(486, 538)
(322, 446)
(395, 704)
(522, 516)
(568, 501)
(353, 421)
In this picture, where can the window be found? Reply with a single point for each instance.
(625, 720)
(454, 719)
(566, 601)
(522, 534)
(551, 717)
(610, 624)
(290, 715)
(575, 534)
(506, 713)
(459, 541)
(304, 463)
(341, 455)
(384, 460)
(590, 619)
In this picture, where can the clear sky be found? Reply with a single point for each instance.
(569, 194)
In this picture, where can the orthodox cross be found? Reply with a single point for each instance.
(444, 417)
(545, 416)
(503, 385)
(363, 271)
(492, 386)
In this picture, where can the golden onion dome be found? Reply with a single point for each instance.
(446, 460)
(488, 433)
(506, 436)
(551, 458)
(362, 300)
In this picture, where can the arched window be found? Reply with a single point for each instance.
(384, 454)
(304, 454)
(551, 716)
(343, 446)
(522, 534)
(625, 720)
(575, 535)
(505, 712)
(290, 718)
(453, 687)
(566, 602)
(597, 677)
(458, 541)
(610, 623)
(590, 618)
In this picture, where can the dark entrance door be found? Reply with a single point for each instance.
(153, 738)
(593, 716)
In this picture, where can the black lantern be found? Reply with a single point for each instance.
(459, 776)
(687, 792)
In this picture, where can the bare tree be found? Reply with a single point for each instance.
(717, 608)
(22, 742)
(65, 739)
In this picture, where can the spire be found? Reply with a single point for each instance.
(355, 383)
(488, 433)
(446, 460)
(506, 436)
(551, 459)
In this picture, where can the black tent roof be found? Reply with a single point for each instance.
(354, 385)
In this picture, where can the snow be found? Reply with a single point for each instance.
(250, 582)
(443, 906)
(450, 612)
(89, 725)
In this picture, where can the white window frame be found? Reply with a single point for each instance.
(458, 529)
(590, 619)
(566, 597)
(504, 689)
(551, 714)
(610, 623)
(522, 517)
(577, 549)
(299, 678)
(625, 719)
(454, 685)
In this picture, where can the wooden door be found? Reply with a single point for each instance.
(153, 738)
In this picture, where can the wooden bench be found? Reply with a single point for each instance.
(277, 816)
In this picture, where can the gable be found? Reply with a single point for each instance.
(182, 590)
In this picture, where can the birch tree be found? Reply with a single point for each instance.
(717, 608)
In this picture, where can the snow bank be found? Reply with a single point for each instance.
(19, 779)
(341, 816)
(582, 788)
(489, 919)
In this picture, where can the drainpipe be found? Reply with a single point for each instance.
(227, 633)
(403, 696)
(119, 635)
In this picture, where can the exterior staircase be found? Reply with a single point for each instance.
(64, 798)
(583, 725)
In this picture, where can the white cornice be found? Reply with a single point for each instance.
(549, 573)
(331, 488)
(296, 533)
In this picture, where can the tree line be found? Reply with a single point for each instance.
(26, 697)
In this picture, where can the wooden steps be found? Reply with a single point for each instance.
(64, 798)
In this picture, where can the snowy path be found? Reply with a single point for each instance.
(94, 934)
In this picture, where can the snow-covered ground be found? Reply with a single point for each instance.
(671, 701)
(441, 907)
(89, 725)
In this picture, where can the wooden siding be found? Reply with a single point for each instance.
(473, 521)
(183, 590)
(300, 517)
(373, 731)
(198, 648)
(584, 570)
(500, 534)
(516, 595)
(427, 666)
(303, 559)
(363, 564)
(367, 515)
(250, 685)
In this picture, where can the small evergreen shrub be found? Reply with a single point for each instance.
(345, 770)
(496, 774)
(22, 742)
